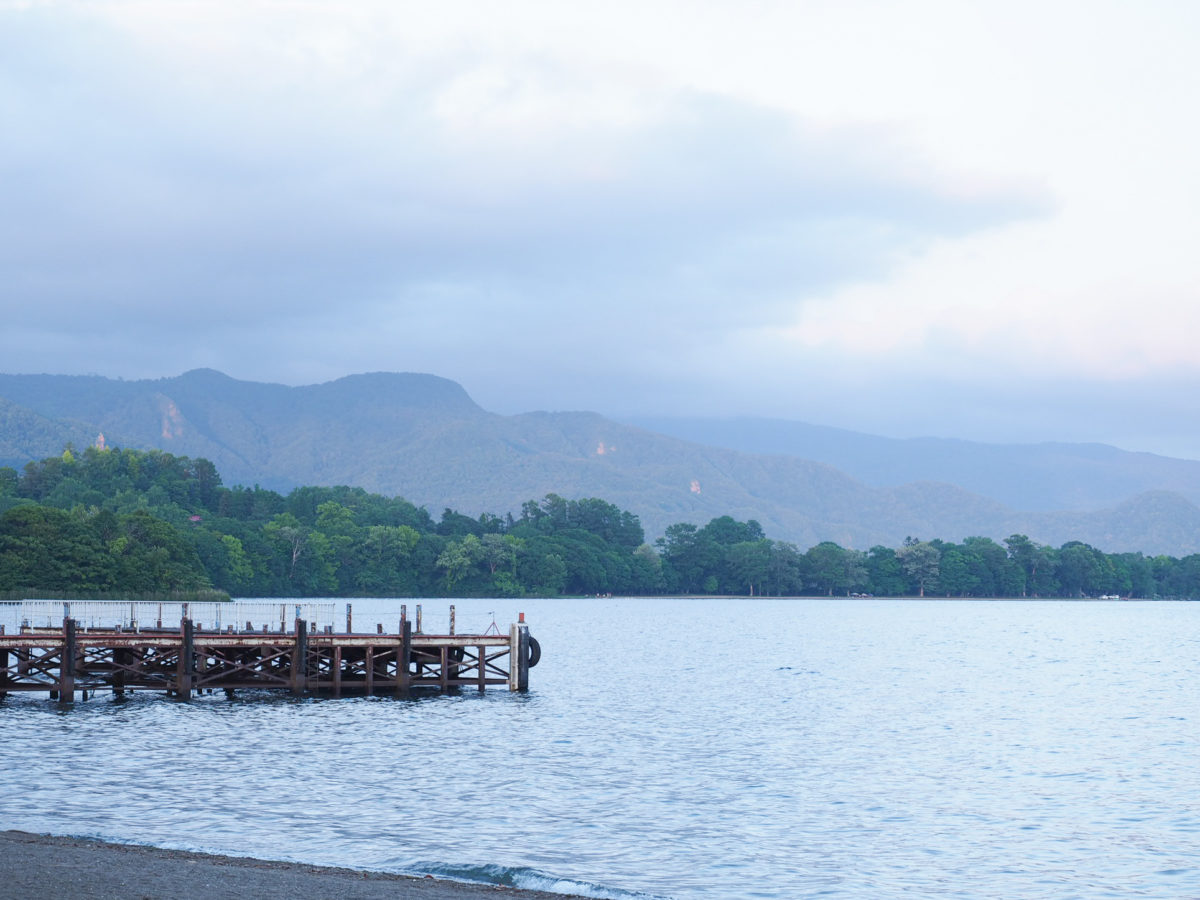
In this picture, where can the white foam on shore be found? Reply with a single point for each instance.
(527, 879)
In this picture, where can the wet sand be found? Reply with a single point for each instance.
(33, 865)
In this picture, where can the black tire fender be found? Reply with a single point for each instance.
(535, 652)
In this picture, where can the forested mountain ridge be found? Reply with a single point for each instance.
(119, 522)
(421, 437)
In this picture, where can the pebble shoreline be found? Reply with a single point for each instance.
(36, 865)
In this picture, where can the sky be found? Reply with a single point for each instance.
(972, 220)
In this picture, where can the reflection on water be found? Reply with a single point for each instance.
(688, 749)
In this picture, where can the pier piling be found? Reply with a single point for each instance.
(187, 657)
(404, 682)
(66, 673)
(300, 657)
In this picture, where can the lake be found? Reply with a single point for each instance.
(687, 749)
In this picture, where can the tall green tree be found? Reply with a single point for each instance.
(921, 563)
(750, 564)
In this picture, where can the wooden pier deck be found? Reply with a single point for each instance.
(62, 661)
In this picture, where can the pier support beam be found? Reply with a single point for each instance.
(300, 658)
(403, 674)
(518, 656)
(120, 659)
(523, 658)
(187, 660)
(66, 669)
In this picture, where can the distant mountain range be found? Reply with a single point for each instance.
(1037, 477)
(422, 437)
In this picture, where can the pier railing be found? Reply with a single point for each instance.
(134, 615)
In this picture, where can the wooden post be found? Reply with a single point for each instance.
(452, 618)
(482, 667)
(66, 668)
(514, 643)
(403, 675)
(522, 657)
(120, 657)
(337, 671)
(445, 674)
(349, 619)
(3, 668)
(370, 670)
(200, 664)
(300, 657)
(418, 618)
(186, 659)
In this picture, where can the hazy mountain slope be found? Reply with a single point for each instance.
(1045, 476)
(268, 434)
(423, 437)
(1153, 522)
(26, 435)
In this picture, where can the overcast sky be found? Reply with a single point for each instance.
(962, 219)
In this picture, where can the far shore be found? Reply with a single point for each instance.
(35, 865)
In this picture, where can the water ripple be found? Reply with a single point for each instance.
(688, 749)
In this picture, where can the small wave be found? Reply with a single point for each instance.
(528, 879)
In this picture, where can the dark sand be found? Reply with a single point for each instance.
(35, 866)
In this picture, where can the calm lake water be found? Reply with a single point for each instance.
(688, 749)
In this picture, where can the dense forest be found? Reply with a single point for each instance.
(112, 520)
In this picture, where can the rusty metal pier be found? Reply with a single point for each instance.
(65, 660)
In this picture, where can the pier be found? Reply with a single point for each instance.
(299, 658)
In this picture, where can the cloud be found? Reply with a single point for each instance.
(182, 186)
(928, 218)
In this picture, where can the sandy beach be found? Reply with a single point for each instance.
(33, 865)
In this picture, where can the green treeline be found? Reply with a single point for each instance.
(133, 521)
